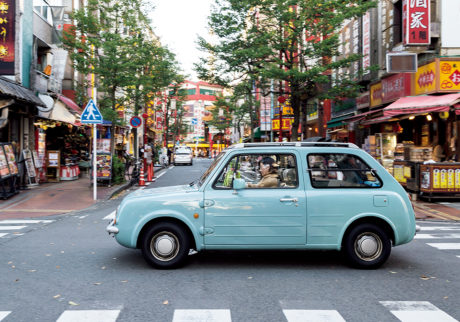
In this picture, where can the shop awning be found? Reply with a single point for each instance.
(377, 120)
(339, 121)
(13, 90)
(67, 101)
(61, 113)
(421, 104)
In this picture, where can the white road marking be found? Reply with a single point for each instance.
(12, 227)
(89, 316)
(1, 235)
(440, 228)
(429, 236)
(455, 246)
(202, 315)
(158, 176)
(110, 216)
(313, 316)
(24, 221)
(3, 314)
(417, 311)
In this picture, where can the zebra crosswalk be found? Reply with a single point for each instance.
(404, 311)
(17, 227)
(442, 236)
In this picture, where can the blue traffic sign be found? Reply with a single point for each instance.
(91, 114)
(194, 121)
(135, 121)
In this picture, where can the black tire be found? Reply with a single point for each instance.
(367, 246)
(165, 245)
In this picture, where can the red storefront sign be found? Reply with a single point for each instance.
(362, 101)
(416, 22)
(7, 36)
(396, 86)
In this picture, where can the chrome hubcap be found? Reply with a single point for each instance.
(164, 246)
(368, 246)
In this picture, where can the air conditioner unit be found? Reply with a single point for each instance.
(401, 62)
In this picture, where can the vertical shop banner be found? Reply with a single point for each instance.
(416, 22)
(376, 94)
(7, 36)
(367, 41)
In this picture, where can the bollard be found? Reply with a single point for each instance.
(141, 177)
(149, 173)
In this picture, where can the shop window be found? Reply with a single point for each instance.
(341, 171)
(397, 22)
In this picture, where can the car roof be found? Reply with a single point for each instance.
(293, 145)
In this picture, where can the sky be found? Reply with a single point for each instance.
(177, 23)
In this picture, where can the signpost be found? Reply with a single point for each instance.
(135, 121)
(92, 115)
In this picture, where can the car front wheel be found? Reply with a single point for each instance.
(367, 246)
(165, 245)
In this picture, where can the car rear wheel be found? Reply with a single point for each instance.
(165, 245)
(367, 246)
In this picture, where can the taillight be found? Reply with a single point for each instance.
(411, 203)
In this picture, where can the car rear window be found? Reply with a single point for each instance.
(341, 170)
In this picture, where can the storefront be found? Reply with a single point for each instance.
(416, 140)
(61, 142)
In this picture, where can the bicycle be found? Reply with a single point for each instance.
(132, 168)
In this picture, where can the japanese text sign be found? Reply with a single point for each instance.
(449, 76)
(425, 79)
(416, 22)
(7, 36)
(396, 86)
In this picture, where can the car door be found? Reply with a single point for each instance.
(267, 216)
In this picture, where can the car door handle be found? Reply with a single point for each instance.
(289, 200)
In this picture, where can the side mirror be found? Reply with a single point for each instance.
(239, 184)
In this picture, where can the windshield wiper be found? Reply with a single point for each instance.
(193, 182)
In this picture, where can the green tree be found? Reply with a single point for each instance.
(112, 40)
(293, 42)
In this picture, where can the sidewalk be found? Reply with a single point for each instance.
(57, 198)
(67, 196)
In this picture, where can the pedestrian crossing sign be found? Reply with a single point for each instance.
(91, 114)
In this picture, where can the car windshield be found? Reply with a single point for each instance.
(210, 169)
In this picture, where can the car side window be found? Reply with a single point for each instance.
(341, 170)
(268, 171)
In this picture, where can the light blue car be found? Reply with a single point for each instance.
(293, 195)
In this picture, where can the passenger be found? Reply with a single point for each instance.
(268, 169)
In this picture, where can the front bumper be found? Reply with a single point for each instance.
(111, 229)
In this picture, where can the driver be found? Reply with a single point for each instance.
(269, 170)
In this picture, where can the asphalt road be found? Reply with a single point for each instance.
(66, 268)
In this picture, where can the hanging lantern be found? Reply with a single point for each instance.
(444, 115)
(281, 99)
(145, 115)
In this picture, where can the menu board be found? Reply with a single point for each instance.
(104, 166)
(103, 145)
(53, 159)
(9, 153)
(41, 149)
(29, 163)
(4, 170)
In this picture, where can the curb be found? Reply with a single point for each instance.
(128, 184)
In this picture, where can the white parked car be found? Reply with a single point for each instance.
(183, 155)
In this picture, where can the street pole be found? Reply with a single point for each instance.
(94, 94)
